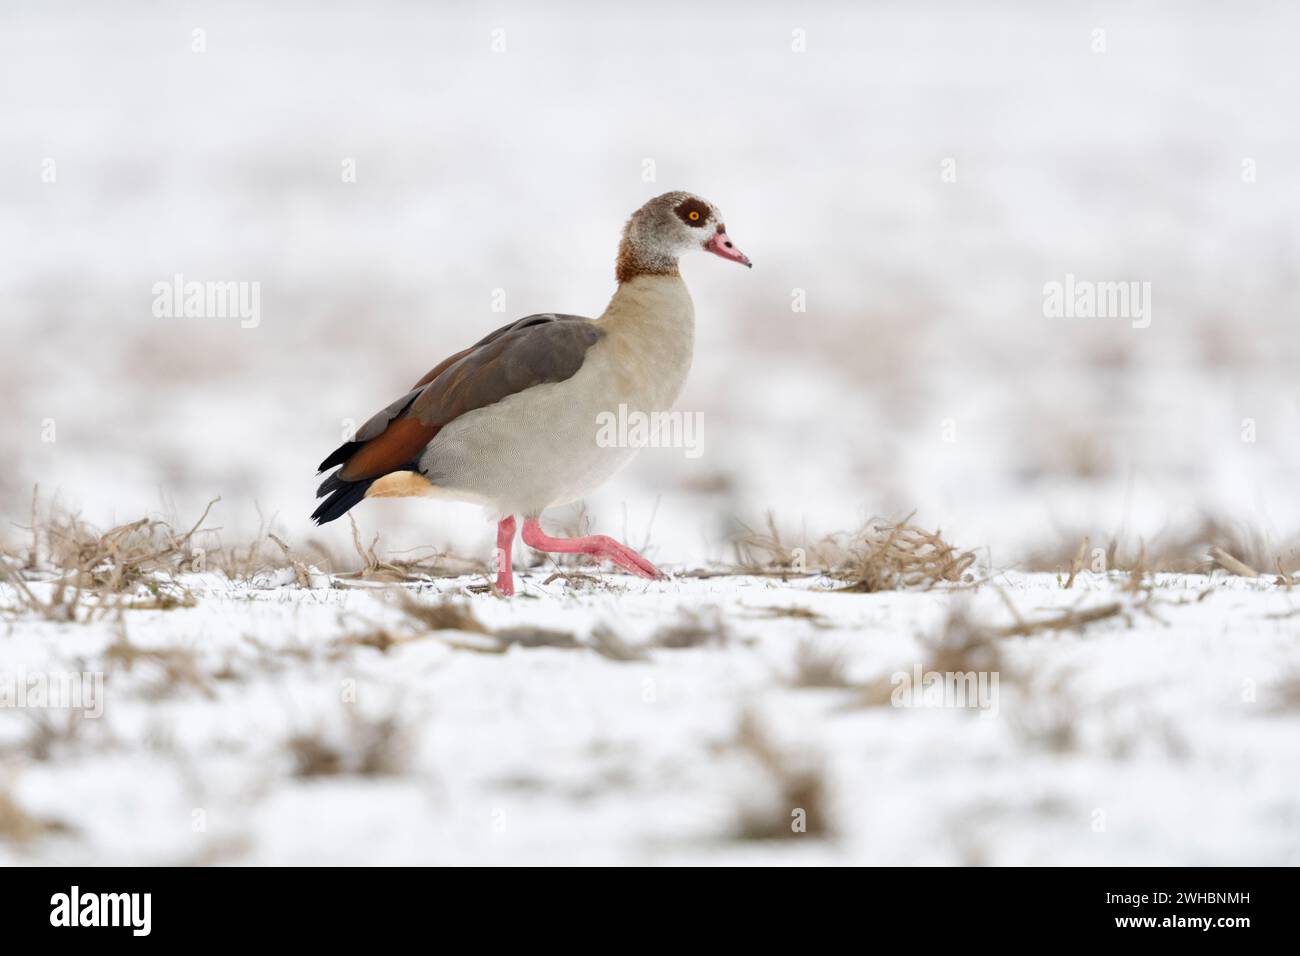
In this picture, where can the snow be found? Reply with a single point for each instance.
(923, 376)
(1179, 748)
(480, 172)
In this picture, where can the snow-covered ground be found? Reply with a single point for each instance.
(610, 720)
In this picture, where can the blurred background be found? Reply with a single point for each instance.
(906, 177)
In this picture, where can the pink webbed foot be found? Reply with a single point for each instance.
(596, 545)
(505, 584)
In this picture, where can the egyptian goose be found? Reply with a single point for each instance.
(511, 422)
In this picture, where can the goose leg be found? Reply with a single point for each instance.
(505, 540)
(596, 545)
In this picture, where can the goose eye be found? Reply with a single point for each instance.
(693, 212)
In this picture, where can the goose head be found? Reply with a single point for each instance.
(669, 226)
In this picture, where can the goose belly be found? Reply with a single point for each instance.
(531, 450)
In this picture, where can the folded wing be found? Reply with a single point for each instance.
(532, 351)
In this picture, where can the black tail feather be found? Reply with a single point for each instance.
(339, 455)
(332, 483)
(342, 496)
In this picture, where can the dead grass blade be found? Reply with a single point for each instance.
(1077, 565)
(300, 573)
(61, 606)
(1230, 564)
(1070, 619)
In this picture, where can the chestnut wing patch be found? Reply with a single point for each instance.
(391, 450)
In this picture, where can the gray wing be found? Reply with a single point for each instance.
(535, 350)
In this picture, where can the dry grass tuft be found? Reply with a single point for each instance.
(1213, 544)
(791, 611)
(450, 615)
(368, 747)
(375, 567)
(819, 665)
(380, 638)
(446, 615)
(791, 802)
(882, 556)
(890, 556)
(1046, 714)
(142, 555)
(690, 629)
(606, 642)
(961, 645)
(1284, 696)
(764, 552)
(122, 557)
(178, 667)
(693, 629)
(19, 826)
(135, 565)
(964, 645)
(61, 606)
(1042, 709)
(50, 732)
(529, 636)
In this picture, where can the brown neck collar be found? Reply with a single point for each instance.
(634, 261)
